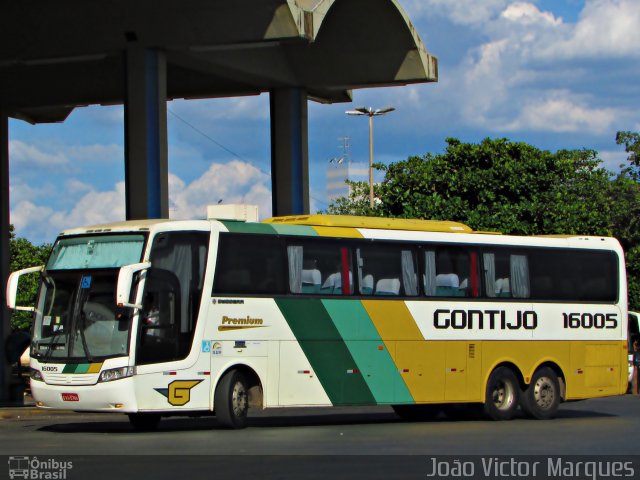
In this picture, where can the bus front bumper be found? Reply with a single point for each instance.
(115, 396)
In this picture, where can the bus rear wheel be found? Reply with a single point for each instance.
(501, 398)
(541, 398)
(144, 422)
(231, 401)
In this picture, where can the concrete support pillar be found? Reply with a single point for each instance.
(289, 151)
(145, 118)
(5, 315)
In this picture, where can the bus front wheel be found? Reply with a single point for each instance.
(542, 397)
(501, 398)
(231, 401)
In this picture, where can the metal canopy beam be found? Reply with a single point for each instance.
(289, 151)
(146, 161)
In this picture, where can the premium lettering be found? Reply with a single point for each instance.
(241, 321)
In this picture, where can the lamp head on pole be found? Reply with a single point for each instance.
(369, 111)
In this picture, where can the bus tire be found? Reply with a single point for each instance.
(501, 397)
(144, 422)
(417, 412)
(231, 400)
(541, 398)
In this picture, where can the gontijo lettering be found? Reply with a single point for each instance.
(484, 319)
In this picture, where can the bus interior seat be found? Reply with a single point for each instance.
(448, 285)
(333, 284)
(311, 280)
(503, 288)
(388, 286)
(367, 285)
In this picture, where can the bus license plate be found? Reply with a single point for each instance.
(70, 397)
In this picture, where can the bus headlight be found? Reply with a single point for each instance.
(36, 375)
(116, 374)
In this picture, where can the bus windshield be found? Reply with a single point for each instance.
(76, 317)
(103, 251)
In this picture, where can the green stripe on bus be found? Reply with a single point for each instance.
(326, 351)
(83, 368)
(70, 368)
(76, 368)
(248, 227)
(367, 348)
(303, 230)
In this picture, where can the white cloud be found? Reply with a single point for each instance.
(520, 77)
(606, 28)
(20, 192)
(93, 208)
(562, 112)
(76, 186)
(233, 182)
(528, 14)
(27, 154)
(96, 153)
(41, 223)
(32, 221)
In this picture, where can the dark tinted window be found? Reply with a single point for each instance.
(249, 264)
(585, 275)
(551, 274)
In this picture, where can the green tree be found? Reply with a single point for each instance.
(627, 212)
(495, 185)
(631, 142)
(24, 254)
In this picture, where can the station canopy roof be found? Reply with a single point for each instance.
(55, 56)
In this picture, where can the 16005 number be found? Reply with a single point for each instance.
(590, 320)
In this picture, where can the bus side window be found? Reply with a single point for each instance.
(249, 264)
(506, 275)
(387, 270)
(319, 268)
(449, 272)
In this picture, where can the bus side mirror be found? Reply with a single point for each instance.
(125, 280)
(12, 287)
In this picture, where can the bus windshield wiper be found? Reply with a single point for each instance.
(52, 342)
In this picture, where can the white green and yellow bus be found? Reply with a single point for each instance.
(155, 318)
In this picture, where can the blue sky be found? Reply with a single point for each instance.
(553, 73)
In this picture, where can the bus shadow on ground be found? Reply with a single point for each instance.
(280, 420)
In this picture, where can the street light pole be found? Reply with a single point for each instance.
(370, 112)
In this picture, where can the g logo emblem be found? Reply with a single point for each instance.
(178, 392)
